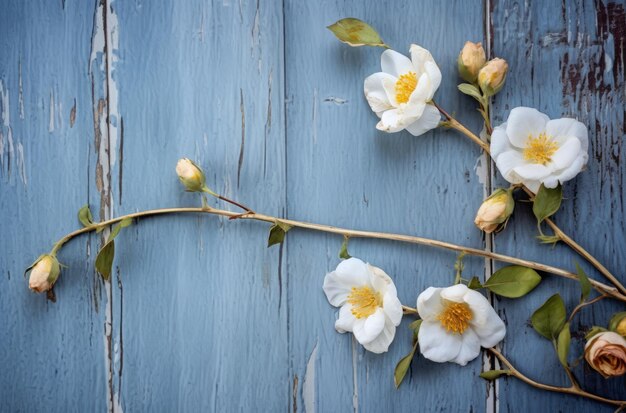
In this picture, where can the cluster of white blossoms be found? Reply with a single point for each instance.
(456, 322)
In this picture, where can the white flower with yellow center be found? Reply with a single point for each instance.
(531, 149)
(456, 322)
(369, 303)
(401, 93)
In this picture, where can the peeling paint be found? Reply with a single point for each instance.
(51, 121)
(20, 86)
(20, 163)
(243, 135)
(355, 382)
(337, 101)
(308, 385)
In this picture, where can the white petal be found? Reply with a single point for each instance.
(338, 284)
(389, 84)
(429, 120)
(429, 304)
(353, 269)
(532, 185)
(479, 305)
(380, 281)
(561, 129)
(437, 344)
(531, 172)
(499, 141)
(392, 308)
(367, 329)
(381, 343)
(394, 120)
(455, 293)
(573, 170)
(506, 162)
(375, 92)
(346, 320)
(394, 63)
(524, 122)
(485, 322)
(434, 74)
(470, 348)
(419, 57)
(336, 289)
(566, 154)
(422, 91)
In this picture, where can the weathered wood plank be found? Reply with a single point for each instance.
(52, 355)
(202, 312)
(343, 171)
(566, 59)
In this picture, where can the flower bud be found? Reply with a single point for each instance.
(492, 76)
(495, 211)
(471, 60)
(190, 175)
(606, 353)
(44, 273)
(618, 323)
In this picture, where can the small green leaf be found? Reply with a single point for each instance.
(585, 284)
(547, 202)
(494, 374)
(563, 344)
(84, 216)
(343, 252)
(548, 239)
(474, 284)
(513, 281)
(402, 367)
(415, 326)
(277, 233)
(356, 33)
(471, 90)
(593, 331)
(549, 319)
(116, 229)
(104, 260)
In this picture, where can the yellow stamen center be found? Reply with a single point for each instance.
(405, 85)
(540, 149)
(455, 317)
(364, 301)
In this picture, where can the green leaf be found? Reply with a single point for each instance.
(474, 283)
(548, 239)
(277, 233)
(563, 344)
(547, 202)
(415, 325)
(116, 229)
(471, 90)
(549, 319)
(585, 284)
(356, 33)
(84, 216)
(343, 252)
(402, 367)
(494, 374)
(30, 267)
(104, 260)
(513, 281)
(593, 331)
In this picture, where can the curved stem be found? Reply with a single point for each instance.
(603, 288)
(585, 304)
(230, 201)
(567, 390)
(454, 124)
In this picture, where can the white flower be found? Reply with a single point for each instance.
(456, 322)
(369, 303)
(400, 93)
(531, 149)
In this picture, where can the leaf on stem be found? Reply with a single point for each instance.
(415, 326)
(474, 283)
(547, 202)
(104, 260)
(343, 252)
(549, 319)
(585, 284)
(355, 32)
(84, 216)
(277, 233)
(563, 345)
(471, 90)
(593, 331)
(494, 374)
(403, 366)
(513, 281)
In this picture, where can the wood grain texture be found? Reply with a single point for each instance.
(99, 99)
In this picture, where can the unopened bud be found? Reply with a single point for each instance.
(492, 76)
(190, 175)
(471, 60)
(618, 323)
(44, 273)
(495, 211)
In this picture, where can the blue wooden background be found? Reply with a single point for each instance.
(98, 99)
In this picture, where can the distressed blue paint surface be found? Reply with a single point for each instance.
(199, 314)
